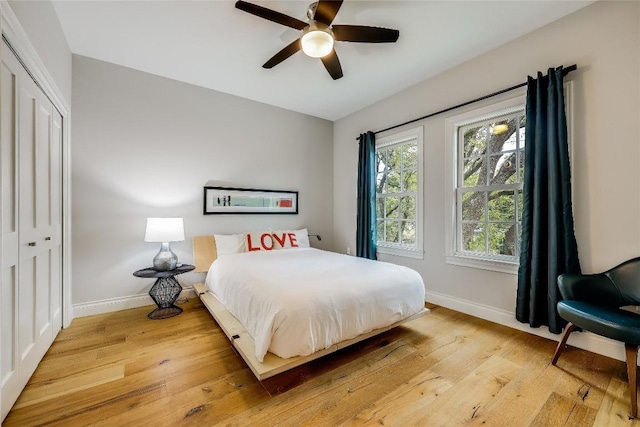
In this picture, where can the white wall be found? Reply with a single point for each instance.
(145, 146)
(604, 41)
(40, 22)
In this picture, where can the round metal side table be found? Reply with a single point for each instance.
(165, 290)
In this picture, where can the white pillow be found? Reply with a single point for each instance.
(303, 238)
(229, 244)
(262, 241)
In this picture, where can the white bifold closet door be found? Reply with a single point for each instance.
(31, 257)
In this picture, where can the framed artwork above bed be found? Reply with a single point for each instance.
(229, 200)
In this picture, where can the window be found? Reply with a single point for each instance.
(399, 194)
(489, 187)
(484, 189)
(488, 163)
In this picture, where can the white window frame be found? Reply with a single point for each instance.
(416, 252)
(452, 255)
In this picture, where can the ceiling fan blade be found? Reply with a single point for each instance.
(326, 11)
(364, 34)
(271, 15)
(292, 48)
(332, 64)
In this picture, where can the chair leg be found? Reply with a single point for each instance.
(563, 342)
(632, 364)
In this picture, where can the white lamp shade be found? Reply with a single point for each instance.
(164, 230)
(317, 43)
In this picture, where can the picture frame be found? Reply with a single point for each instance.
(230, 200)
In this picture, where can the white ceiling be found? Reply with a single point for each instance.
(214, 45)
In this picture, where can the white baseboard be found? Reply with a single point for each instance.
(121, 303)
(583, 340)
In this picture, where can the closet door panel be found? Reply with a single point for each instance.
(9, 89)
(34, 282)
(27, 229)
(28, 108)
(43, 142)
(55, 224)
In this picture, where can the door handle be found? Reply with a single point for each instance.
(47, 238)
(31, 243)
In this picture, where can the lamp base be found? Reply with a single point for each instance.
(165, 260)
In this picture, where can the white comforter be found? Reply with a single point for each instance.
(299, 301)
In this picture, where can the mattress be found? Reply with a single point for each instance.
(298, 301)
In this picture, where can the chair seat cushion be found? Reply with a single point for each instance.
(614, 323)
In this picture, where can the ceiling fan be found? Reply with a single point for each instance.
(318, 35)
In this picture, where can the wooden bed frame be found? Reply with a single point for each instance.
(204, 253)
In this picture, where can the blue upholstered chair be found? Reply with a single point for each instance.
(592, 302)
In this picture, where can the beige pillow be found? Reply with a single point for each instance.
(230, 243)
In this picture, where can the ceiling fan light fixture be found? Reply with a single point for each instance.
(317, 42)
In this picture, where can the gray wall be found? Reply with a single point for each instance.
(604, 41)
(40, 22)
(144, 146)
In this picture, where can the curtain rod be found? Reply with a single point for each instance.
(565, 71)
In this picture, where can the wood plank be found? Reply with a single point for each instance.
(272, 364)
(562, 411)
(616, 406)
(39, 393)
(471, 394)
(405, 403)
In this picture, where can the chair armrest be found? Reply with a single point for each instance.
(593, 288)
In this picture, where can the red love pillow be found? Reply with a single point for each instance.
(259, 242)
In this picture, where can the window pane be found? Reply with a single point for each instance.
(381, 160)
(408, 232)
(502, 239)
(393, 182)
(381, 181)
(521, 168)
(521, 131)
(503, 169)
(502, 206)
(394, 157)
(410, 178)
(474, 172)
(473, 237)
(473, 206)
(380, 207)
(392, 206)
(474, 142)
(409, 155)
(408, 207)
(520, 205)
(503, 136)
(392, 233)
(380, 230)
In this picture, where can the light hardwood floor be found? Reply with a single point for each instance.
(444, 369)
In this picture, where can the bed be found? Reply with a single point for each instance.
(283, 308)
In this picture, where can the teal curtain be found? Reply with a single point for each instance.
(366, 228)
(548, 245)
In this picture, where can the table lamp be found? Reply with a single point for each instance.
(163, 231)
